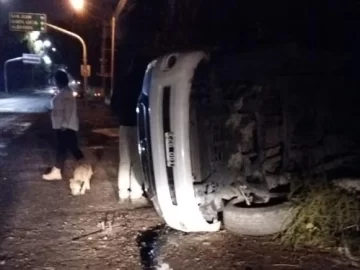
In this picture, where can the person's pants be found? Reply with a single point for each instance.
(129, 175)
(66, 141)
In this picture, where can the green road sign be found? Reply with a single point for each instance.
(27, 22)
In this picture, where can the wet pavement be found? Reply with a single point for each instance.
(17, 114)
(25, 103)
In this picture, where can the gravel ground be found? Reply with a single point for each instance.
(224, 251)
(43, 227)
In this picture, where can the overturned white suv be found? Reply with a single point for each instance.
(212, 142)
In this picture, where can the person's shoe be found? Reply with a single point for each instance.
(140, 202)
(54, 174)
(124, 195)
(135, 195)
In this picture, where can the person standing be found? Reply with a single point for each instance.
(65, 122)
(124, 101)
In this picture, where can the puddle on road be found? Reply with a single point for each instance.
(150, 243)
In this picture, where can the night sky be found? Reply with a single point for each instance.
(55, 9)
(155, 27)
(51, 8)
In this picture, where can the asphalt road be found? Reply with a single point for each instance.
(17, 114)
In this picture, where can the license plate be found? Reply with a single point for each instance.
(169, 149)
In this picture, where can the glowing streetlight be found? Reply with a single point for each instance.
(47, 43)
(77, 4)
(47, 60)
(38, 45)
(53, 49)
(34, 35)
(118, 10)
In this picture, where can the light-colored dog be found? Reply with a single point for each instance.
(81, 179)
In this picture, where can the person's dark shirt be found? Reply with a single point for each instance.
(126, 93)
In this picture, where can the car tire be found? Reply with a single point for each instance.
(258, 221)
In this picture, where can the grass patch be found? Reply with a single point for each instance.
(328, 216)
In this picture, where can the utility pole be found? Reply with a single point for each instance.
(33, 76)
(104, 60)
(119, 8)
(5, 71)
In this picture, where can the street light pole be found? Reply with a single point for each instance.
(113, 28)
(84, 49)
(5, 71)
(119, 8)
